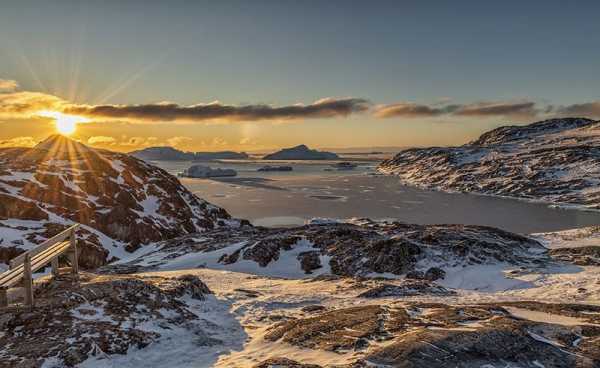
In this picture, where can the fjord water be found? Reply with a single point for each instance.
(314, 190)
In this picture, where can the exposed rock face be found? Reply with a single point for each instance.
(172, 154)
(283, 363)
(354, 249)
(555, 160)
(121, 201)
(407, 288)
(97, 316)
(582, 256)
(424, 335)
(301, 152)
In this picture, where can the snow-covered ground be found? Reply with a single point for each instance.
(255, 299)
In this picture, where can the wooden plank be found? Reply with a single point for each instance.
(55, 269)
(3, 298)
(74, 253)
(12, 277)
(18, 260)
(40, 261)
(28, 281)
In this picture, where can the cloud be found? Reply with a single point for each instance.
(411, 110)
(27, 104)
(8, 85)
(102, 139)
(139, 141)
(515, 109)
(588, 109)
(19, 142)
(324, 108)
(479, 109)
(178, 141)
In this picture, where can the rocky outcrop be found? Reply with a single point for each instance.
(440, 335)
(97, 316)
(555, 160)
(301, 152)
(121, 202)
(346, 249)
(582, 256)
(408, 287)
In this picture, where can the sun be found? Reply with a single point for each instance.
(65, 124)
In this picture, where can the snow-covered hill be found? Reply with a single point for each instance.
(555, 160)
(361, 249)
(122, 202)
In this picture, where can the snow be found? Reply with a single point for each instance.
(486, 278)
(215, 333)
(286, 266)
(545, 317)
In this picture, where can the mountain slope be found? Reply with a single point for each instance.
(121, 201)
(555, 160)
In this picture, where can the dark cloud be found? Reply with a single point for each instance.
(526, 109)
(412, 110)
(588, 109)
(325, 108)
(480, 109)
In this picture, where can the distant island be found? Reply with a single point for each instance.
(173, 154)
(301, 152)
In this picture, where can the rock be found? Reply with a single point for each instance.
(336, 330)
(556, 160)
(309, 261)
(368, 249)
(313, 308)
(75, 320)
(582, 256)
(434, 274)
(439, 335)
(415, 275)
(123, 203)
(406, 288)
(283, 363)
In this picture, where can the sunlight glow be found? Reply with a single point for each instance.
(65, 124)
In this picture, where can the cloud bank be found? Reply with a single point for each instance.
(325, 108)
(519, 110)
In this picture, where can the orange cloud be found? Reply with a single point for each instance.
(19, 142)
(8, 85)
(102, 140)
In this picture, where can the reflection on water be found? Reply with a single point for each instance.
(285, 199)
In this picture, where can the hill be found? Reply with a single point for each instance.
(554, 161)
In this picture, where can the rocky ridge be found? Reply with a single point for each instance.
(555, 161)
(363, 248)
(425, 334)
(122, 202)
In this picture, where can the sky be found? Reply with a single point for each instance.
(260, 75)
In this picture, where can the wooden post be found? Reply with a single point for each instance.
(74, 254)
(28, 280)
(55, 267)
(3, 298)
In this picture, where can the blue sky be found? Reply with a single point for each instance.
(287, 52)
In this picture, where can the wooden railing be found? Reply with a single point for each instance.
(22, 267)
